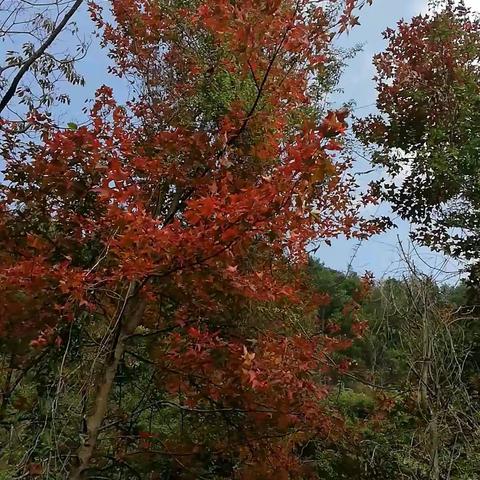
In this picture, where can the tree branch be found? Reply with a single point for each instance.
(36, 55)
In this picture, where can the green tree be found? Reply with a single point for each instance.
(427, 133)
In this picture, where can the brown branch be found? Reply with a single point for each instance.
(127, 320)
(36, 55)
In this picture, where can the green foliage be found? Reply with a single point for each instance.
(356, 405)
(338, 286)
(380, 396)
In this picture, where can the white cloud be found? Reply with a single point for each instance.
(421, 6)
(473, 4)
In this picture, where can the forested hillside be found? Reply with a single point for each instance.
(163, 312)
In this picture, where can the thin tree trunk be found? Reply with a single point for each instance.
(429, 404)
(434, 449)
(7, 387)
(128, 321)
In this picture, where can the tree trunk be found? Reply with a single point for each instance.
(129, 319)
(434, 449)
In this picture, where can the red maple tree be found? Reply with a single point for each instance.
(178, 211)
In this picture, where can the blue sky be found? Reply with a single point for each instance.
(379, 254)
